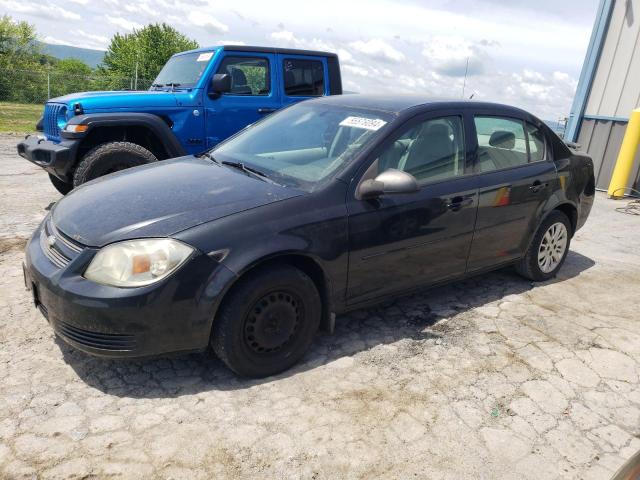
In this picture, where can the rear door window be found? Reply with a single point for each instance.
(501, 143)
(303, 78)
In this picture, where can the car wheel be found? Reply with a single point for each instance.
(109, 158)
(548, 249)
(60, 185)
(267, 322)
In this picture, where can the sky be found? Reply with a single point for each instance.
(524, 53)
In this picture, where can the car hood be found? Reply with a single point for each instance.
(127, 100)
(159, 200)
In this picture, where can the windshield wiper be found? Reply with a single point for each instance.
(156, 85)
(172, 85)
(249, 170)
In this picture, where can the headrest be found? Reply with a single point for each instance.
(238, 77)
(503, 139)
(438, 129)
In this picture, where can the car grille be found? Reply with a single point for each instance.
(58, 248)
(52, 112)
(103, 341)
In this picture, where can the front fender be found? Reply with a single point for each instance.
(123, 119)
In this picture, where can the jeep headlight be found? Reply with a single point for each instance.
(134, 263)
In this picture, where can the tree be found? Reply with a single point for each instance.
(19, 58)
(70, 75)
(149, 48)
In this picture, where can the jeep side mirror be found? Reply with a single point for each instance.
(389, 182)
(220, 83)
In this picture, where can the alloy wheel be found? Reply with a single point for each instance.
(552, 247)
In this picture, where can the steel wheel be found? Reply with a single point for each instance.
(552, 247)
(272, 322)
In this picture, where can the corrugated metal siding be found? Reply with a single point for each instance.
(616, 87)
(601, 139)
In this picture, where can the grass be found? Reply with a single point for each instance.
(19, 117)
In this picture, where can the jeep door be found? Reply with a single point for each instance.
(253, 94)
(400, 241)
(516, 176)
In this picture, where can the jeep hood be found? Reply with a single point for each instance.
(124, 100)
(160, 199)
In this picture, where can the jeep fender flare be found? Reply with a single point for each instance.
(148, 120)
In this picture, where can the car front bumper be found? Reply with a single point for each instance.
(56, 158)
(174, 315)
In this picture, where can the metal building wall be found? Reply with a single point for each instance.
(602, 139)
(614, 92)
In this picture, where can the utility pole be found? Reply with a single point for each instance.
(464, 83)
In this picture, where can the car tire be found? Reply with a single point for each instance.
(109, 158)
(267, 322)
(60, 185)
(548, 249)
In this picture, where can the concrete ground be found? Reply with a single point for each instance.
(492, 377)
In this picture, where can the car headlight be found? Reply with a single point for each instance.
(134, 263)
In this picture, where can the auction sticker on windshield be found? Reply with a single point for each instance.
(203, 57)
(365, 123)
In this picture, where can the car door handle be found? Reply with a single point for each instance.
(458, 203)
(537, 186)
(266, 110)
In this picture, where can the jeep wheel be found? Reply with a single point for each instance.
(267, 322)
(109, 158)
(61, 186)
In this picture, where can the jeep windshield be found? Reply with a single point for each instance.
(303, 145)
(183, 71)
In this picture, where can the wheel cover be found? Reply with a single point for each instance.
(272, 322)
(552, 247)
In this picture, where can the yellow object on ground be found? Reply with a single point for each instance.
(628, 150)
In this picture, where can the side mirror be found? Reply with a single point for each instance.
(390, 181)
(220, 83)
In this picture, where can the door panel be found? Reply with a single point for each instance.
(248, 101)
(401, 241)
(510, 198)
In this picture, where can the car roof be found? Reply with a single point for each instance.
(249, 48)
(397, 103)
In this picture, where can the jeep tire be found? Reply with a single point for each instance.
(60, 185)
(109, 158)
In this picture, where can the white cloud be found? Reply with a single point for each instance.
(80, 2)
(284, 36)
(208, 22)
(378, 50)
(448, 55)
(123, 23)
(355, 70)
(53, 12)
(229, 42)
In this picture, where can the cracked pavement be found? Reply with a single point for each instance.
(491, 377)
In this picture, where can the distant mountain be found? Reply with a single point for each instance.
(91, 57)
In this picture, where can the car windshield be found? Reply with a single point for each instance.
(183, 70)
(304, 144)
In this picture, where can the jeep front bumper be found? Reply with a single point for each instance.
(56, 158)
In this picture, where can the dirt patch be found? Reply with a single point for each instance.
(12, 243)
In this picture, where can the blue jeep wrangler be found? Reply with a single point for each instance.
(198, 99)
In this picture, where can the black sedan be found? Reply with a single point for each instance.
(328, 205)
